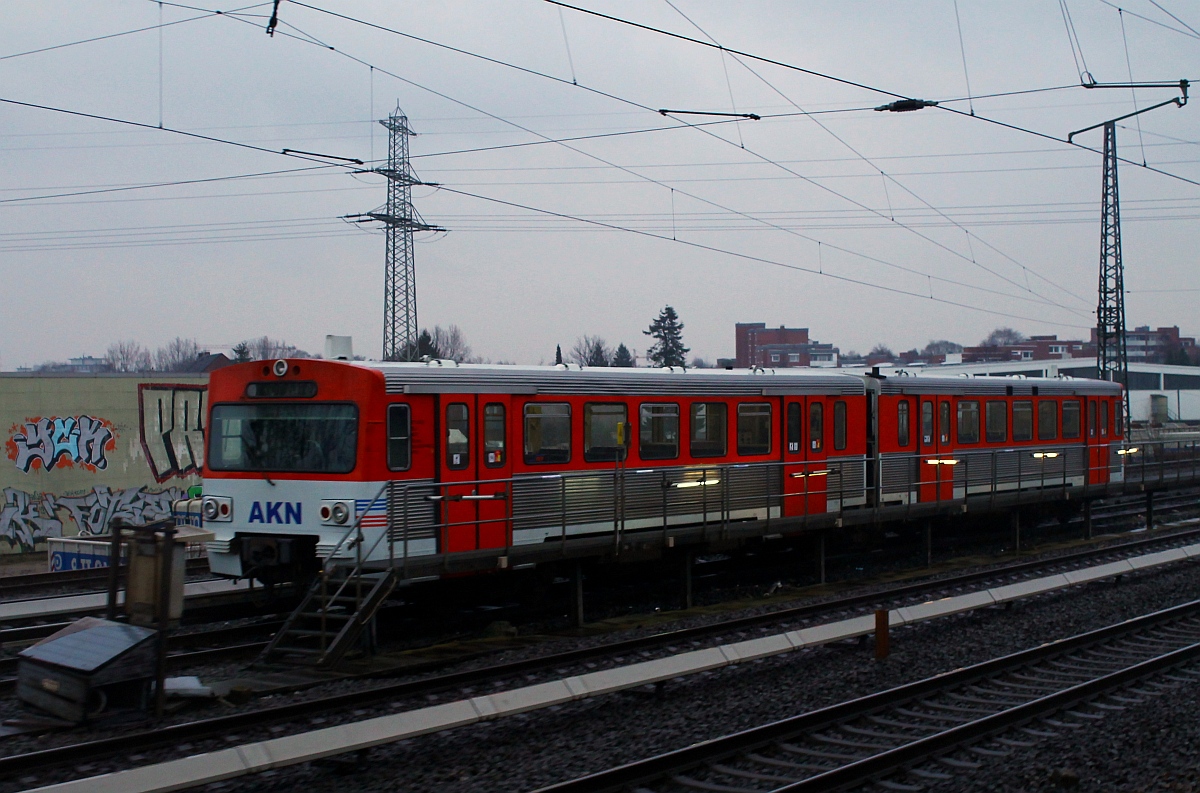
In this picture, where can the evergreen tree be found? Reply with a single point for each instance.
(557, 354)
(667, 331)
(622, 357)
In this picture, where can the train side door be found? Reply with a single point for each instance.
(816, 440)
(945, 449)
(493, 446)
(927, 445)
(794, 474)
(460, 528)
(1104, 433)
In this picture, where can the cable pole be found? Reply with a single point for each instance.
(400, 220)
(1112, 362)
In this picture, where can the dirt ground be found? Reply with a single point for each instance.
(22, 563)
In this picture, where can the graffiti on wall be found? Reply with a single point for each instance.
(172, 428)
(29, 518)
(61, 442)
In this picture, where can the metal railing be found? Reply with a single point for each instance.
(556, 507)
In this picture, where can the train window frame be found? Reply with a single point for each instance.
(995, 412)
(1075, 428)
(540, 419)
(494, 456)
(1118, 417)
(967, 425)
(1104, 411)
(405, 439)
(707, 446)
(927, 421)
(456, 451)
(944, 421)
(753, 439)
(594, 430)
(816, 426)
(839, 425)
(1091, 418)
(794, 419)
(650, 423)
(1022, 427)
(903, 423)
(1044, 417)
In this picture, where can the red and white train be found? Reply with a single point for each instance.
(438, 458)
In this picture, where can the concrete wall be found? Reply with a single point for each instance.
(80, 450)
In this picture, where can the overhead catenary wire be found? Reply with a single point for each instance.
(631, 102)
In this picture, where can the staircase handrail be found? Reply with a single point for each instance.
(355, 527)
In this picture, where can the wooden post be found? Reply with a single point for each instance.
(929, 543)
(882, 640)
(1087, 519)
(821, 554)
(165, 571)
(114, 567)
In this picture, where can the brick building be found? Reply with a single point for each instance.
(1161, 345)
(782, 347)
(1035, 348)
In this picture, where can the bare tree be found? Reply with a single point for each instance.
(700, 363)
(591, 351)
(1003, 337)
(128, 356)
(881, 350)
(941, 347)
(265, 348)
(177, 355)
(451, 344)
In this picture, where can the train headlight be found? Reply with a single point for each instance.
(340, 513)
(217, 508)
(210, 510)
(280, 368)
(337, 511)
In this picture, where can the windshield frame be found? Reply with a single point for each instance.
(212, 463)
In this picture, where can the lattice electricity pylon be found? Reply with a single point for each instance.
(1112, 362)
(400, 220)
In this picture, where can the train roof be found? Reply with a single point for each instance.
(448, 377)
(897, 383)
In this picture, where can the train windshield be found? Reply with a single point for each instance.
(313, 438)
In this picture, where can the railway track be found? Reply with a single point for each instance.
(33, 582)
(217, 727)
(928, 730)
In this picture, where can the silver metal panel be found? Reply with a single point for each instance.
(411, 515)
(996, 386)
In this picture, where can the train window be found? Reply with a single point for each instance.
(902, 428)
(996, 421)
(839, 425)
(458, 437)
(317, 437)
(658, 432)
(1022, 421)
(708, 429)
(1118, 417)
(1104, 418)
(816, 422)
(399, 446)
(547, 432)
(1047, 420)
(1070, 418)
(600, 422)
(968, 422)
(795, 427)
(1091, 418)
(754, 428)
(944, 422)
(493, 435)
(927, 422)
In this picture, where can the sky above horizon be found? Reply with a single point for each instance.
(572, 205)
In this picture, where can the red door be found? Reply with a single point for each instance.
(937, 454)
(795, 502)
(457, 464)
(816, 479)
(494, 465)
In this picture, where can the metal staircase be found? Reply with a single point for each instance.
(339, 605)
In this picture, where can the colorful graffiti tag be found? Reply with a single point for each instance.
(28, 518)
(61, 442)
(172, 428)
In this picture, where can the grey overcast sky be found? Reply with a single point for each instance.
(823, 214)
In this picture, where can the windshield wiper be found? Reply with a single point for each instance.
(257, 461)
